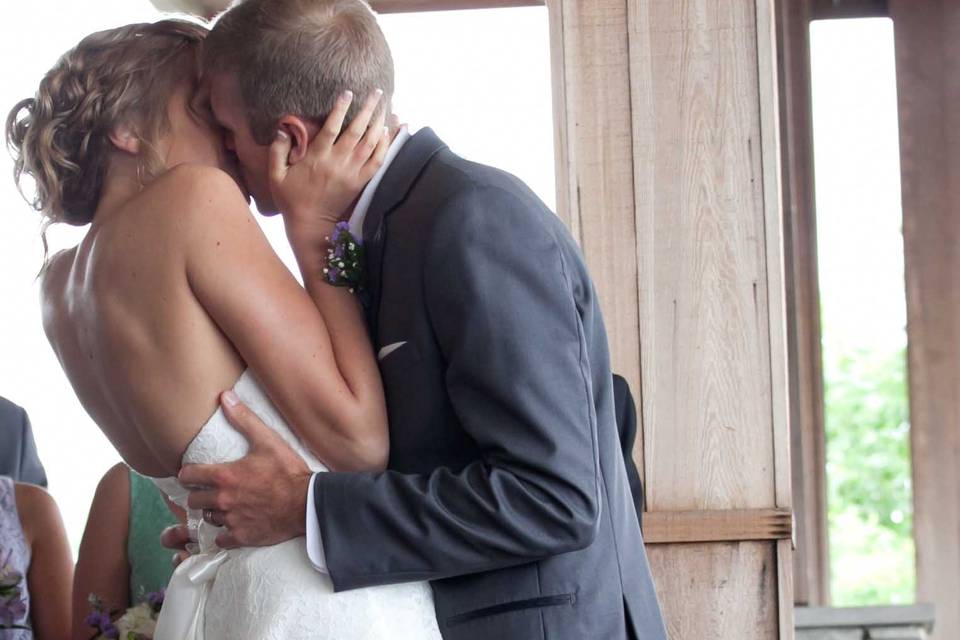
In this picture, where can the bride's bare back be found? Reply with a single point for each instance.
(145, 358)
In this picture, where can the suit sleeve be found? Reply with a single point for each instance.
(31, 469)
(502, 307)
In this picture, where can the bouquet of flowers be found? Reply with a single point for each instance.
(13, 606)
(136, 623)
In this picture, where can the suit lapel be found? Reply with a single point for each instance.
(394, 187)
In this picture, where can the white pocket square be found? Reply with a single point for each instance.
(387, 350)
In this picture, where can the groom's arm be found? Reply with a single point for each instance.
(500, 300)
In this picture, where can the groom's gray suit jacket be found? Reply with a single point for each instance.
(506, 485)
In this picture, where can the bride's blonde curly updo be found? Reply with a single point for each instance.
(60, 137)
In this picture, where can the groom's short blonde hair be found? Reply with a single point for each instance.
(297, 56)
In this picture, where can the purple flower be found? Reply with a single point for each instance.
(97, 620)
(12, 609)
(338, 230)
(155, 599)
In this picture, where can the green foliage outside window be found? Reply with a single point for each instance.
(868, 478)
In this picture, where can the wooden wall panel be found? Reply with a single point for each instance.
(703, 278)
(741, 577)
(928, 76)
(711, 314)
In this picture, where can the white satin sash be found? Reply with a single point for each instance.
(185, 600)
(184, 605)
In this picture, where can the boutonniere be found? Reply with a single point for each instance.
(344, 266)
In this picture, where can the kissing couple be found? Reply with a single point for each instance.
(420, 441)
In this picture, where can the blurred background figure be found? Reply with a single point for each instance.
(18, 451)
(121, 560)
(35, 557)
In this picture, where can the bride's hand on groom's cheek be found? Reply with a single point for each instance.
(316, 181)
(261, 498)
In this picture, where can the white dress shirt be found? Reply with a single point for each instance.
(314, 540)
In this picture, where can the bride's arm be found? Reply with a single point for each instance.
(315, 177)
(335, 404)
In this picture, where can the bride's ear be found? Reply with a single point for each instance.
(125, 138)
(299, 133)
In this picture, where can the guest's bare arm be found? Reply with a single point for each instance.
(102, 565)
(277, 329)
(50, 576)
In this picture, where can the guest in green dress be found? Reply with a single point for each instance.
(121, 559)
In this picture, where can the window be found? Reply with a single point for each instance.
(862, 294)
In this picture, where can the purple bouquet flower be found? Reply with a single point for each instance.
(13, 605)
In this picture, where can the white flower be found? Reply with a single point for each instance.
(138, 620)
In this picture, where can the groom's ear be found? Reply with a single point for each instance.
(299, 132)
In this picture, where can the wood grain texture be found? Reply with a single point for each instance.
(801, 279)
(927, 36)
(740, 578)
(712, 311)
(592, 91)
(704, 310)
(664, 527)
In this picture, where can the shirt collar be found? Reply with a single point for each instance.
(363, 204)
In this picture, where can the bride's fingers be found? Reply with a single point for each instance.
(373, 165)
(358, 126)
(332, 126)
(371, 138)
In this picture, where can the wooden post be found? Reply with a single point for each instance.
(811, 560)
(670, 176)
(927, 34)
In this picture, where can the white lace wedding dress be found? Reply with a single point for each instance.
(267, 593)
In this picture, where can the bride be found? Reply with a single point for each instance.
(174, 294)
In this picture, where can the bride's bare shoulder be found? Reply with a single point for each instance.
(53, 279)
(205, 213)
(54, 294)
(190, 188)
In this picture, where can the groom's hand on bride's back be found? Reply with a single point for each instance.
(261, 498)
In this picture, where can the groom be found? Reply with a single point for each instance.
(505, 485)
